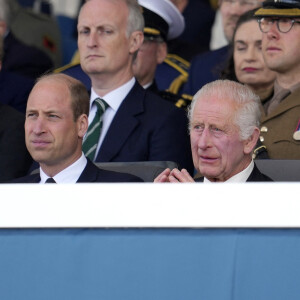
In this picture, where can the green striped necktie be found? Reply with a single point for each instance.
(91, 141)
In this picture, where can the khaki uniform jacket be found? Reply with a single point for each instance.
(277, 129)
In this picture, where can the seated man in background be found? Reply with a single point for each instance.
(163, 22)
(14, 157)
(154, 68)
(224, 128)
(137, 124)
(18, 57)
(56, 121)
(279, 23)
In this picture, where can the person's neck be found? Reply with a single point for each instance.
(288, 80)
(104, 83)
(53, 169)
(263, 91)
(242, 166)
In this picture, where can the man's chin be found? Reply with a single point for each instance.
(208, 172)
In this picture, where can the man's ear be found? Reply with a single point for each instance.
(82, 125)
(162, 52)
(136, 41)
(250, 143)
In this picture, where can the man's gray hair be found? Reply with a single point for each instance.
(5, 12)
(135, 17)
(247, 114)
(135, 20)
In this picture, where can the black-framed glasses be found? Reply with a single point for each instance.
(284, 25)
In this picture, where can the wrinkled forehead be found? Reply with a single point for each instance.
(93, 8)
(212, 107)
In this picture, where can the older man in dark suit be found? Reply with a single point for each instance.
(56, 121)
(224, 129)
(136, 125)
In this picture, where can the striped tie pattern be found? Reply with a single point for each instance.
(90, 143)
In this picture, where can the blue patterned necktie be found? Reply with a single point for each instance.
(91, 141)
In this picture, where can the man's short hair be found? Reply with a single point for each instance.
(135, 20)
(247, 113)
(80, 99)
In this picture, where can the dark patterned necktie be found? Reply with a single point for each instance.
(91, 141)
(50, 180)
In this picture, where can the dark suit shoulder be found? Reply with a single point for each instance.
(14, 157)
(15, 89)
(256, 175)
(205, 67)
(34, 178)
(92, 173)
(24, 59)
(75, 70)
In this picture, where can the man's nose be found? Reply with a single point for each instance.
(92, 39)
(39, 126)
(273, 31)
(204, 139)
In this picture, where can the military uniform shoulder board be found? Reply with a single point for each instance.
(178, 63)
(65, 67)
(182, 66)
(75, 62)
(181, 101)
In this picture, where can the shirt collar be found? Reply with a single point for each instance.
(70, 174)
(239, 177)
(115, 97)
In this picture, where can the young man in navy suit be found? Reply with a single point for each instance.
(137, 125)
(56, 121)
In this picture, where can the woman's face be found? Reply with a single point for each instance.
(249, 64)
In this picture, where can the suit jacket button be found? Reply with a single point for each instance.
(296, 135)
(264, 129)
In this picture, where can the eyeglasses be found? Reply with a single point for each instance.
(284, 25)
(244, 3)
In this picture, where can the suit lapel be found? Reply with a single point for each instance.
(123, 124)
(89, 174)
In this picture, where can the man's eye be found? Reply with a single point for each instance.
(84, 31)
(106, 31)
(216, 130)
(30, 115)
(198, 127)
